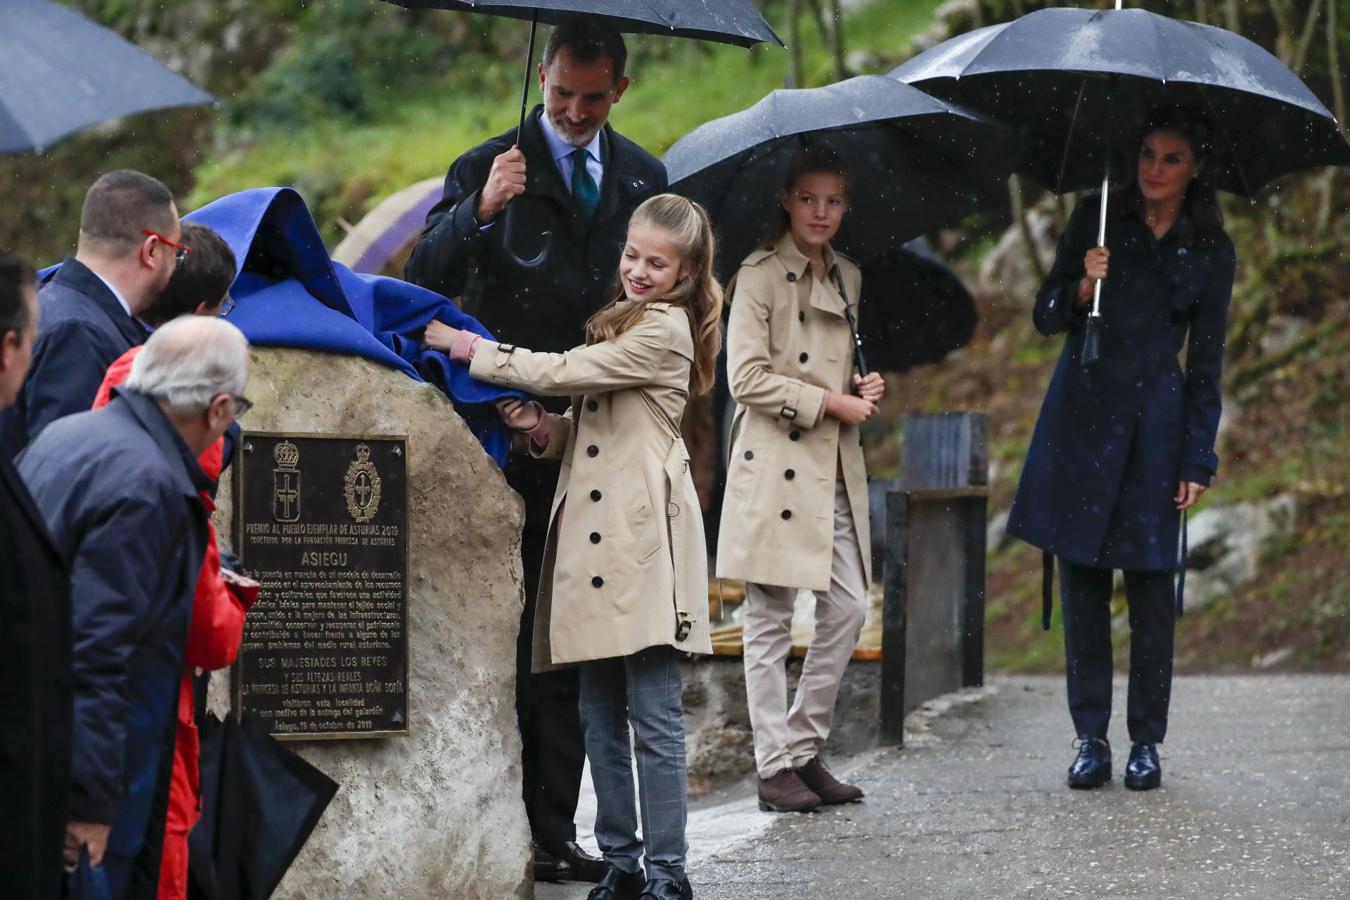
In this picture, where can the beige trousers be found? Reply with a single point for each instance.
(791, 737)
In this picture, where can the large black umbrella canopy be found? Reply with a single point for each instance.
(1079, 83)
(60, 72)
(724, 21)
(916, 163)
(914, 309)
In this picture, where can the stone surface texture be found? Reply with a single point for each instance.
(437, 813)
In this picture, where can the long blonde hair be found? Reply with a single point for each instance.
(697, 292)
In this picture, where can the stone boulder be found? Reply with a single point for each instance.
(436, 813)
(1226, 543)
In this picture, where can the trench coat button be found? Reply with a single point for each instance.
(804, 356)
(792, 276)
(592, 450)
(595, 537)
(794, 435)
(592, 406)
(801, 316)
(595, 495)
(787, 514)
(749, 454)
(789, 474)
(597, 581)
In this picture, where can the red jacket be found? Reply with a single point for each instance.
(213, 643)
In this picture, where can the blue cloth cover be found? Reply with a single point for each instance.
(289, 293)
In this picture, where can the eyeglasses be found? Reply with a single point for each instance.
(241, 405)
(226, 306)
(180, 252)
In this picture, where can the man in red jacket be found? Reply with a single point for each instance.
(199, 286)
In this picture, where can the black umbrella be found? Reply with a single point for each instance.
(60, 72)
(914, 309)
(1078, 83)
(722, 21)
(260, 802)
(915, 163)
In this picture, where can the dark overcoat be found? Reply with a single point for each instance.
(35, 697)
(82, 328)
(120, 493)
(545, 308)
(1113, 440)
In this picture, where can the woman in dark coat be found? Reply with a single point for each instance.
(1126, 443)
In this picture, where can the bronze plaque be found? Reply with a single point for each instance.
(322, 522)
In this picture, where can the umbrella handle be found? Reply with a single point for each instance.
(546, 239)
(508, 218)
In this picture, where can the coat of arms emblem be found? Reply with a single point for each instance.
(362, 486)
(286, 483)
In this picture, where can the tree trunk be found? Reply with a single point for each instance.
(794, 13)
(1019, 212)
(1334, 69)
(1305, 39)
(837, 39)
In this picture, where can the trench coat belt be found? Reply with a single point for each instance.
(1048, 576)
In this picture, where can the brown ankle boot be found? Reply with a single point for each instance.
(784, 792)
(830, 789)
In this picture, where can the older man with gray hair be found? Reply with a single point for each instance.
(119, 488)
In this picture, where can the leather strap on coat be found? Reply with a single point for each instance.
(1181, 573)
(1047, 587)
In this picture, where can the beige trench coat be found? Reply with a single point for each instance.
(625, 566)
(788, 342)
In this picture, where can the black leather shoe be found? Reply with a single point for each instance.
(548, 867)
(665, 889)
(616, 885)
(1092, 767)
(1143, 772)
(584, 866)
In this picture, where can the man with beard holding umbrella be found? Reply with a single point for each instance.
(569, 173)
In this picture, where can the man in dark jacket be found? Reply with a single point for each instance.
(127, 250)
(119, 488)
(35, 676)
(571, 175)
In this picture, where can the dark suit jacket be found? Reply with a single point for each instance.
(81, 330)
(120, 492)
(35, 697)
(544, 308)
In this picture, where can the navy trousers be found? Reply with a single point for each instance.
(1086, 596)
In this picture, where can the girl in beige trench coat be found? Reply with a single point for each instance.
(624, 583)
(795, 511)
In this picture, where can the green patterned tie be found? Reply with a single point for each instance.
(584, 191)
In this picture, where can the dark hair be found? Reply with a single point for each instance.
(588, 38)
(807, 161)
(204, 276)
(1201, 202)
(119, 205)
(16, 279)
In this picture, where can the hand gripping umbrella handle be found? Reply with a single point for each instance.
(509, 219)
(1092, 329)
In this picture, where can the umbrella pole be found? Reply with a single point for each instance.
(1092, 329)
(508, 217)
(525, 88)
